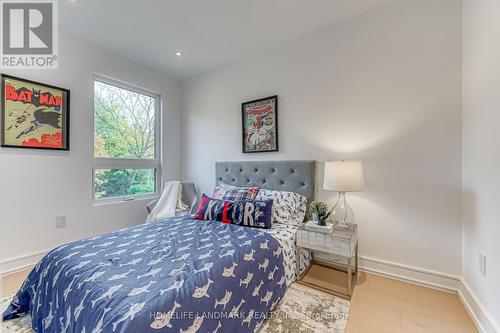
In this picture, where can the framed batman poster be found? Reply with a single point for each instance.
(34, 115)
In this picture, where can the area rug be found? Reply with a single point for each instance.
(20, 325)
(302, 310)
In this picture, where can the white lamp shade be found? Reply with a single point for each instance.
(344, 176)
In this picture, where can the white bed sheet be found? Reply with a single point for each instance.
(285, 234)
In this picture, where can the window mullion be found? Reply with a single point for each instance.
(115, 163)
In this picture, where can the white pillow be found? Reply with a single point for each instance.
(288, 207)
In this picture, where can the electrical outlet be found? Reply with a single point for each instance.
(60, 222)
(482, 263)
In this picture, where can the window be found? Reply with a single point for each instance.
(126, 141)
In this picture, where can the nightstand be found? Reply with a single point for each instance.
(334, 268)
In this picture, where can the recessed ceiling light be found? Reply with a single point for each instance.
(178, 53)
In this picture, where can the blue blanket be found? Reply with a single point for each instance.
(179, 275)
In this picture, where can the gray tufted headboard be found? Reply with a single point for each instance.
(293, 176)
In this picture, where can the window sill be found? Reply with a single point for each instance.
(121, 200)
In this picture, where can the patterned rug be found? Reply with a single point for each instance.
(307, 310)
(302, 310)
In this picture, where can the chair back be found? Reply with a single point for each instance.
(189, 195)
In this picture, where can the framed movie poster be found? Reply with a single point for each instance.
(34, 115)
(260, 125)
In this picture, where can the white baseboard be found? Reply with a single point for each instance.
(20, 263)
(482, 318)
(411, 274)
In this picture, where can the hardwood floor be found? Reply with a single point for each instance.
(382, 305)
(9, 284)
(379, 305)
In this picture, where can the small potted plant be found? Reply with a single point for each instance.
(318, 211)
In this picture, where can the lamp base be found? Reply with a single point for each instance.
(342, 214)
(340, 225)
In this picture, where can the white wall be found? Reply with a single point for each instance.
(36, 186)
(384, 87)
(481, 147)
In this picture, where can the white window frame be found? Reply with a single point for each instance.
(127, 163)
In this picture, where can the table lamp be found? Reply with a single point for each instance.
(343, 176)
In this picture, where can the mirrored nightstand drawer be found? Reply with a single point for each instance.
(340, 244)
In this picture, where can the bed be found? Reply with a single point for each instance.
(179, 274)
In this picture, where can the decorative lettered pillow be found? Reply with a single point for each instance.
(242, 212)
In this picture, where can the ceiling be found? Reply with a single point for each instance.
(210, 33)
